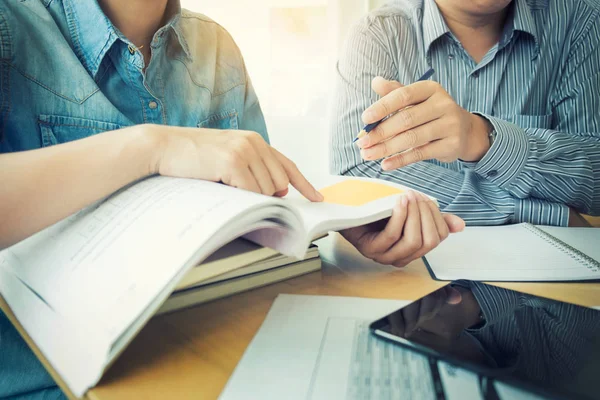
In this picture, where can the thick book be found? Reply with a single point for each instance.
(220, 288)
(84, 287)
(518, 253)
(234, 256)
(243, 268)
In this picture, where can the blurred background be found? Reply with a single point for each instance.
(290, 48)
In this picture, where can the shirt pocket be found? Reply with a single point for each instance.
(530, 121)
(225, 120)
(57, 129)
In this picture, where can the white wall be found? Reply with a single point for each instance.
(290, 48)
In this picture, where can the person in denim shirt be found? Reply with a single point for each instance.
(97, 94)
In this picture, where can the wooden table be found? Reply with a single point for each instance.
(192, 353)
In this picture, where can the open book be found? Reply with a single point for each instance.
(84, 287)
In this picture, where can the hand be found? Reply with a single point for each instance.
(426, 124)
(240, 159)
(415, 227)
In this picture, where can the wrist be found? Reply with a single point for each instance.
(479, 142)
(151, 142)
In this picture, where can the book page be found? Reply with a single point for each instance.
(302, 329)
(349, 202)
(105, 264)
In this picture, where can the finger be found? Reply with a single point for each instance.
(282, 193)
(411, 240)
(398, 99)
(429, 231)
(455, 224)
(429, 235)
(278, 175)
(404, 123)
(400, 142)
(427, 152)
(362, 237)
(392, 232)
(383, 87)
(440, 222)
(258, 168)
(244, 179)
(297, 179)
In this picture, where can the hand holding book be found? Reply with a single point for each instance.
(416, 227)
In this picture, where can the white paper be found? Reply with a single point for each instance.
(459, 384)
(507, 253)
(313, 347)
(586, 240)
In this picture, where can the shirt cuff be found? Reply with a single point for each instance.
(507, 157)
(541, 212)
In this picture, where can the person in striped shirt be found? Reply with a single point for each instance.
(507, 130)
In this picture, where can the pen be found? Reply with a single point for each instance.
(367, 129)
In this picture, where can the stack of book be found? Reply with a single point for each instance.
(250, 265)
(83, 288)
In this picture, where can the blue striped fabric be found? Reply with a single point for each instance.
(539, 87)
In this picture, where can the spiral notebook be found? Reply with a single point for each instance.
(515, 253)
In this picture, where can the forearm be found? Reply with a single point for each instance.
(544, 164)
(41, 187)
(465, 194)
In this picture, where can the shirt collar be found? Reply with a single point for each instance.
(93, 34)
(434, 25)
(522, 21)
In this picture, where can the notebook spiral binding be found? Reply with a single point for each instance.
(583, 258)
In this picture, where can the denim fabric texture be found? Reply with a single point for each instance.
(67, 73)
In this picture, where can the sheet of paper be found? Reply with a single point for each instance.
(320, 348)
(504, 253)
(285, 359)
(585, 240)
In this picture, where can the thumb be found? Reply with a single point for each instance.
(383, 87)
(455, 224)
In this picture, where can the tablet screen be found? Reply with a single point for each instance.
(505, 335)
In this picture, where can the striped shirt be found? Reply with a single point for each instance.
(539, 87)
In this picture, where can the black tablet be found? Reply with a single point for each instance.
(547, 348)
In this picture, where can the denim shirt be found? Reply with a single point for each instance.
(67, 73)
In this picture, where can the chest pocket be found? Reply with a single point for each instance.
(57, 129)
(224, 120)
(530, 121)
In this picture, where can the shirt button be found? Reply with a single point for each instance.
(492, 174)
(153, 105)
(450, 56)
(475, 74)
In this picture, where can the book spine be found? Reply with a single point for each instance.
(572, 252)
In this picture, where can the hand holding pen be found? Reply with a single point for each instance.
(420, 122)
